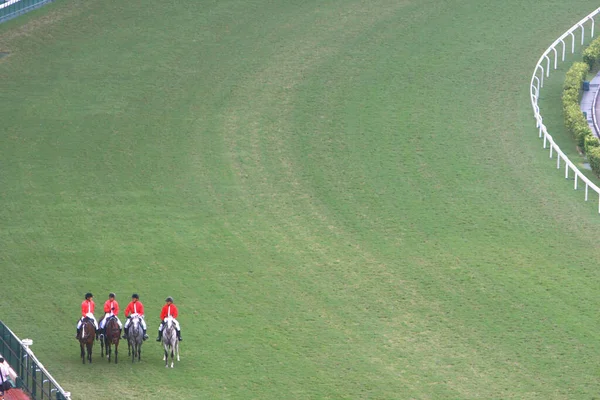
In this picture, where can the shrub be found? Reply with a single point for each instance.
(575, 122)
(591, 141)
(594, 159)
(591, 55)
(575, 76)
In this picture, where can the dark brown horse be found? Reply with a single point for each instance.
(86, 339)
(112, 336)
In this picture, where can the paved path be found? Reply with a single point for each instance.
(588, 104)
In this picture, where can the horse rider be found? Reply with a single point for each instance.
(111, 309)
(87, 311)
(135, 307)
(168, 310)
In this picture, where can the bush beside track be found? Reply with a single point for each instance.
(575, 121)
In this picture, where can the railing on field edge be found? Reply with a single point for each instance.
(32, 376)
(13, 8)
(542, 67)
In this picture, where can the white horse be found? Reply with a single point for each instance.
(170, 341)
(135, 338)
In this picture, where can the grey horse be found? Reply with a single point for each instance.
(170, 341)
(135, 338)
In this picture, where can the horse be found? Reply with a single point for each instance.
(135, 338)
(86, 339)
(112, 336)
(170, 341)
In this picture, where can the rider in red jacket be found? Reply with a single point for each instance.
(111, 309)
(135, 307)
(169, 310)
(87, 311)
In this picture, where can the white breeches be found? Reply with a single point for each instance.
(160, 327)
(142, 322)
(103, 321)
(90, 316)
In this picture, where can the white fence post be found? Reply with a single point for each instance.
(586, 191)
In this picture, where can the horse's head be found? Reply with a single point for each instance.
(169, 321)
(135, 319)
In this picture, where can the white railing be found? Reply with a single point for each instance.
(542, 67)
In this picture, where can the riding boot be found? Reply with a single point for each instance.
(159, 338)
(179, 336)
(145, 335)
(78, 332)
(126, 333)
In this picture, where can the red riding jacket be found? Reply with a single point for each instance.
(87, 306)
(134, 307)
(168, 309)
(111, 306)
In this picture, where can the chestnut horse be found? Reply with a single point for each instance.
(111, 337)
(86, 339)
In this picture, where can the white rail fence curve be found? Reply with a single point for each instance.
(542, 67)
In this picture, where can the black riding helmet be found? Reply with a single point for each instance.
(88, 295)
(135, 296)
(112, 295)
(169, 299)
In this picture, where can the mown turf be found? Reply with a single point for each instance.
(347, 199)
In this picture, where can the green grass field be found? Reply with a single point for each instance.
(346, 198)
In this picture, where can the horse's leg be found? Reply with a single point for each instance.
(177, 349)
(116, 352)
(90, 348)
(82, 352)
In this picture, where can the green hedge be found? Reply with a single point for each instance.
(591, 142)
(591, 55)
(575, 122)
(593, 156)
